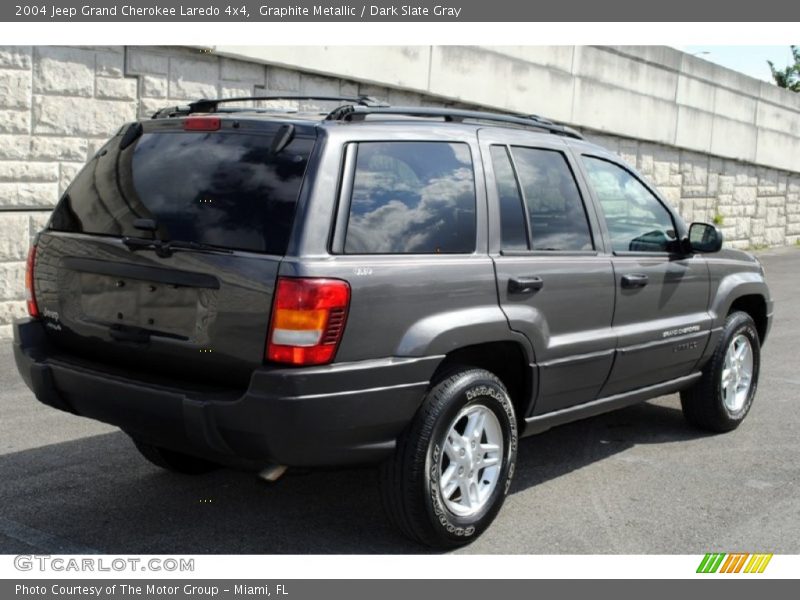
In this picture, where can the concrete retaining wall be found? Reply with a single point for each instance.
(717, 153)
(652, 93)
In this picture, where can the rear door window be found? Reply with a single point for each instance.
(513, 232)
(412, 197)
(221, 188)
(556, 213)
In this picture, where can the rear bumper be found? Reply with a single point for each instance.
(337, 414)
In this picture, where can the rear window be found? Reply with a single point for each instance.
(412, 197)
(225, 189)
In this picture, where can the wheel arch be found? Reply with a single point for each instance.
(754, 305)
(745, 291)
(506, 359)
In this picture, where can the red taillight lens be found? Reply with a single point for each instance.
(308, 317)
(30, 295)
(201, 123)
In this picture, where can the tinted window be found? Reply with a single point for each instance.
(221, 188)
(555, 207)
(636, 219)
(412, 197)
(512, 217)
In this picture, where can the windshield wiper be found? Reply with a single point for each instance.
(166, 249)
(134, 243)
(198, 246)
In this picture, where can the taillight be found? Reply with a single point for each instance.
(201, 123)
(30, 295)
(308, 317)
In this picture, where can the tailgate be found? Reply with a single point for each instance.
(197, 316)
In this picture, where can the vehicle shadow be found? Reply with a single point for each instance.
(564, 449)
(97, 494)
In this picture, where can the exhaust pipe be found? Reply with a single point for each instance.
(272, 473)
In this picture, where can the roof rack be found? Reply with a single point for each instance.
(360, 112)
(357, 108)
(209, 105)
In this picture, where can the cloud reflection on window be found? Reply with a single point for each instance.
(412, 197)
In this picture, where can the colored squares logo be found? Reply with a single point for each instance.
(734, 563)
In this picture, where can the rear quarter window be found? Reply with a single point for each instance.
(412, 198)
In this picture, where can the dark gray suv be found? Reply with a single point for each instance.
(415, 287)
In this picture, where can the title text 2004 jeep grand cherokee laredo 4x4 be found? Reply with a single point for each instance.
(412, 286)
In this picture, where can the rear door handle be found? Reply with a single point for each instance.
(634, 280)
(525, 285)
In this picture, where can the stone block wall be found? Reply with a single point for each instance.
(59, 104)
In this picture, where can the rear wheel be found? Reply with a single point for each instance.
(722, 398)
(453, 466)
(171, 460)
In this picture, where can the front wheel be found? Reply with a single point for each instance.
(721, 399)
(453, 466)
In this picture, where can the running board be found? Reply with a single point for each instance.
(540, 423)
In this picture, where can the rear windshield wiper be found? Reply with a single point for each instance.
(134, 243)
(198, 246)
(166, 249)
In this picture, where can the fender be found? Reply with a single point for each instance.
(444, 332)
(731, 287)
(734, 286)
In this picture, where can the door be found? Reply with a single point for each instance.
(555, 285)
(661, 317)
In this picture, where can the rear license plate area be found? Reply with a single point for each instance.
(154, 306)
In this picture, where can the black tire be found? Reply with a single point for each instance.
(177, 462)
(703, 404)
(409, 480)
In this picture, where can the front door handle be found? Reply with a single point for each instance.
(634, 280)
(524, 285)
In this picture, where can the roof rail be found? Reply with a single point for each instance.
(209, 105)
(360, 112)
(357, 108)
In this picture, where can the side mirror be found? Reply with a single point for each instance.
(704, 237)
